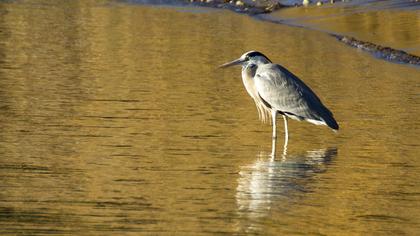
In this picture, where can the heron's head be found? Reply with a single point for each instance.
(253, 57)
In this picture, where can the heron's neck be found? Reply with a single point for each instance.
(249, 70)
(248, 73)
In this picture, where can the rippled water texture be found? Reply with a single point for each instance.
(115, 121)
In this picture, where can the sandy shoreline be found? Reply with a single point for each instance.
(259, 7)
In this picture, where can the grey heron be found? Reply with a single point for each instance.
(275, 90)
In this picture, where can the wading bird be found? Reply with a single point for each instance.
(276, 90)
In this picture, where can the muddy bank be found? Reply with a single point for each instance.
(241, 6)
(386, 53)
(259, 9)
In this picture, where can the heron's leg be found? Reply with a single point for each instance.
(273, 148)
(286, 138)
(274, 117)
(273, 144)
(286, 132)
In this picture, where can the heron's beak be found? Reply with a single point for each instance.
(232, 63)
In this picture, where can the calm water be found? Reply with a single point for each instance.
(115, 121)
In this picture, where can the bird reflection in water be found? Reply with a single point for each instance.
(270, 182)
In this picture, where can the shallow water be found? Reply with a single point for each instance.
(115, 121)
(393, 23)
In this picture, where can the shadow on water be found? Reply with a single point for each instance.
(276, 182)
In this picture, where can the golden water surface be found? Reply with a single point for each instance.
(115, 121)
(391, 23)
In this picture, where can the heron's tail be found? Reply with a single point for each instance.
(333, 125)
(327, 116)
(330, 121)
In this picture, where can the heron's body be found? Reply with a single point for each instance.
(287, 94)
(275, 90)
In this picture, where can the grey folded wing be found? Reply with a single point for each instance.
(286, 93)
